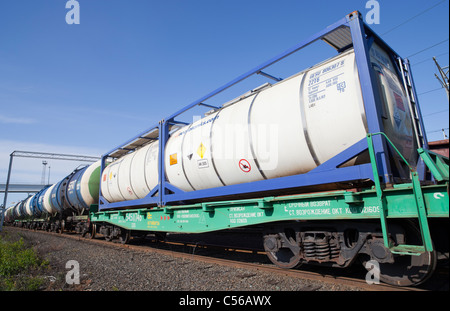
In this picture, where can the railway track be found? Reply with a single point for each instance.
(179, 248)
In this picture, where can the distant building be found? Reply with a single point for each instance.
(439, 146)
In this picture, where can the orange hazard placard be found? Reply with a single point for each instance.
(173, 159)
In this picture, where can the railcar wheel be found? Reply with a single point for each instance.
(283, 251)
(408, 270)
(89, 232)
(93, 231)
(61, 228)
(160, 236)
(124, 236)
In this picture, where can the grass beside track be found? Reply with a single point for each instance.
(21, 269)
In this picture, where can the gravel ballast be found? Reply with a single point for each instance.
(110, 268)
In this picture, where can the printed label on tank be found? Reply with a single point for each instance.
(202, 163)
(204, 122)
(325, 78)
(341, 87)
(397, 118)
(71, 186)
(378, 55)
(399, 102)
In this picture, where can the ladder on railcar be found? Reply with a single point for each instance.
(439, 166)
(408, 84)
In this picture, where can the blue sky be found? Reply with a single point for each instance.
(87, 88)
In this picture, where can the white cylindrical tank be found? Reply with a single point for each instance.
(83, 187)
(285, 129)
(15, 210)
(19, 209)
(9, 214)
(133, 176)
(28, 210)
(88, 186)
(48, 206)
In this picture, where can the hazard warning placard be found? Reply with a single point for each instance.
(244, 165)
(173, 159)
(201, 150)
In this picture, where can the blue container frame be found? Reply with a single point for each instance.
(329, 172)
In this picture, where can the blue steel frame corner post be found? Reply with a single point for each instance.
(101, 200)
(371, 97)
(162, 179)
(164, 186)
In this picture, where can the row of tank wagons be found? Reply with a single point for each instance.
(76, 192)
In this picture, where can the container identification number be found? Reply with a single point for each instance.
(317, 208)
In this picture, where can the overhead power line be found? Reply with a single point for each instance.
(428, 59)
(427, 48)
(415, 16)
(433, 113)
(434, 90)
(440, 130)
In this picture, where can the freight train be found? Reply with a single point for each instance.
(330, 163)
(61, 206)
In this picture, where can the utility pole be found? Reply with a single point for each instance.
(44, 163)
(443, 78)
